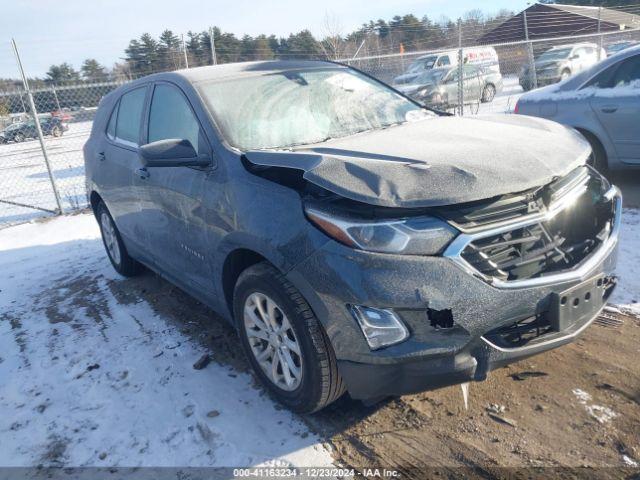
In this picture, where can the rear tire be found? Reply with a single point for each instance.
(318, 382)
(56, 132)
(123, 263)
(488, 94)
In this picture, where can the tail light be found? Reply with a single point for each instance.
(517, 107)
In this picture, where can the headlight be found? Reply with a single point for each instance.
(408, 236)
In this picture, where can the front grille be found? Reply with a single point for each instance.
(547, 246)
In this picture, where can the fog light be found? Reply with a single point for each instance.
(381, 328)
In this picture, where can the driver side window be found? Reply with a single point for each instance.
(171, 117)
(444, 61)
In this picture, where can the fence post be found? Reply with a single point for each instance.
(34, 114)
(532, 61)
(460, 71)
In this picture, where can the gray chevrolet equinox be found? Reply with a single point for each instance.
(357, 241)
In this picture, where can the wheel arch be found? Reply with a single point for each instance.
(236, 262)
(94, 201)
(595, 142)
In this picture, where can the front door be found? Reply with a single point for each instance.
(617, 106)
(171, 206)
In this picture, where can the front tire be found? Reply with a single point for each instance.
(566, 73)
(284, 341)
(56, 132)
(124, 264)
(19, 138)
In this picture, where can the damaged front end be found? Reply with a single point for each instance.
(417, 291)
(418, 298)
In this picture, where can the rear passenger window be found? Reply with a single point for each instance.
(171, 116)
(130, 115)
(111, 128)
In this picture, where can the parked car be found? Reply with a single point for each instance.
(63, 114)
(480, 56)
(559, 63)
(617, 47)
(603, 103)
(438, 87)
(21, 131)
(356, 240)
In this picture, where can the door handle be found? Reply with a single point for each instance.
(100, 156)
(143, 173)
(609, 109)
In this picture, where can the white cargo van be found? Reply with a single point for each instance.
(483, 56)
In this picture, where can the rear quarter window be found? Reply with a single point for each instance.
(129, 116)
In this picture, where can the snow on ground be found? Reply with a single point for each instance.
(627, 294)
(87, 380)
(25, 188)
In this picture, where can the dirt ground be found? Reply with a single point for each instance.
(576, 407)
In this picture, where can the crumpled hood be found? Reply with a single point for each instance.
(438, 161)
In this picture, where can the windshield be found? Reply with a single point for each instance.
(422, 64)
(431, 76)
(558, 54)
(303, 107)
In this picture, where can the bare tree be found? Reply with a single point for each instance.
(333, 44)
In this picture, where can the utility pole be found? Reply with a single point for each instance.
(460, 71)
(184, 50)
(600, 37)
(36, 120)
(212, 41)
(532, 60)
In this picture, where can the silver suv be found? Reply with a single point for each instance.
(559, 63)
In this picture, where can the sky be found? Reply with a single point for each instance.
(51, 32)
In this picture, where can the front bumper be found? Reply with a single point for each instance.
(336, 276)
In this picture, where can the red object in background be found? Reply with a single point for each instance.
(517, 108)
(62, 115)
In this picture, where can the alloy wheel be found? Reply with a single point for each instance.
(273, 341)
(110, 238)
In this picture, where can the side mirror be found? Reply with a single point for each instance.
(172, 153)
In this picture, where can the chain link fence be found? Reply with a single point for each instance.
(44, 125)
(506, 70)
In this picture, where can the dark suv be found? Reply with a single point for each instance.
(19, 132)
(357, 241)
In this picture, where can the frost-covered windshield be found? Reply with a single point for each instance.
(303, 107)
(422, 64)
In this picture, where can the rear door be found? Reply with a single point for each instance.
(118, 162)
(472, 84)
(617, 106)
(172, 204)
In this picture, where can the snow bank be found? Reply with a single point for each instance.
(89, 381)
